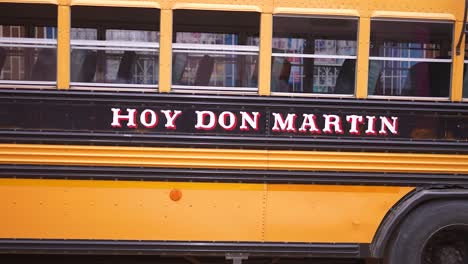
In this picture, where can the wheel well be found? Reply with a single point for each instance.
(406, 205)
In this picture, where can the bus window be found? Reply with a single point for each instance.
(410, 58)
(314, 55)
(215, 51)
(114, 47)
(28, 45)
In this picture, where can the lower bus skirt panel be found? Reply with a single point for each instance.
(268, 214)
(176, 248)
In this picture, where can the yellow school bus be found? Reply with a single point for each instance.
(216, 131)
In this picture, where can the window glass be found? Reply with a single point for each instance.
(28, 44)
(314, 55)
(118, 48)
(215, 50)
(83, 33)
(410, 58)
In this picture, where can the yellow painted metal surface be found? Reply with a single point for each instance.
(362, 64)
(232, 158)
(165, 51)
(117, 3)
(321, 4)
(217, 7)
(330, 7)
(316, 11)
(132, 156)
(63, 48)
(63, 209)
(54, 2)
(264, 69)
(412, 15)
(453, 7)
(357, 161)
(364, 7)
(327, 213)
(227, 5)
(129, 210)
(458, 65)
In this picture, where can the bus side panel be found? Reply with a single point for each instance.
(321, 213)
(125, 210)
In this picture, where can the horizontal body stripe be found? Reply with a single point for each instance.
(227, 142)
(232, 159)
(193, 248)
(223, 175)
(141, 210)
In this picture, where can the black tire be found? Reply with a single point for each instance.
(413, 242)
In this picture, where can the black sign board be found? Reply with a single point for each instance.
(222, 121)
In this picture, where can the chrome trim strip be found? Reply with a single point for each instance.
(410, 59)
(315, 56)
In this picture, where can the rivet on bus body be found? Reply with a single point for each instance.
(175, 195)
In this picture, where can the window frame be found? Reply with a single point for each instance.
(380, 58)
(319, 56)
(115, 45)
(29, 43)
(47, 19)
(465, 64)
(217, 49)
